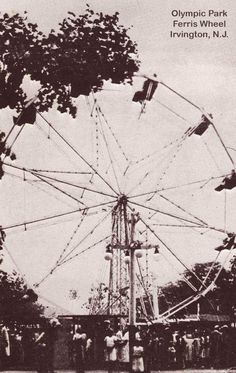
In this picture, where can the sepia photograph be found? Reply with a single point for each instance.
(117, 186)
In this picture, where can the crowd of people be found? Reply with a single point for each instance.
(167, 348)
(27, 346)
(107, 346)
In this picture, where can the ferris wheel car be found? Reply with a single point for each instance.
(202, 126)
(228, 243)
(149, 88)
(28, 115)
(229, 182)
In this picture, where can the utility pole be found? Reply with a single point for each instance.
(126, 245)
(155, 288)
(155, 299)
(132, 300)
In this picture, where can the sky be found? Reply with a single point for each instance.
(201, 69)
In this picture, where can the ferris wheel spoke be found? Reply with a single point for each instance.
(46, 191)
(179, 225)
(172, 111)
(83, 251)
(132, 165)
(40, 188)
(168, 214)
(107, 148)
(223, 144)
(181, 96)
(74, 185)
(60, 172)
(211, 155)
(75, 231)
(166, 313)
(182, 209)
(202, 283)
(53, 186)
(174, 91)
(67, 255)
(181, 218)
(55, 216)
(37, 174)
(201, 292)
(44, 178)
(210, 269)
(170, 163)
(19, 270)
(201, 110)
(179, 186)
(57, 188)
(14, 141)
(171, 251)
(100, 111)
(153, 170)
(78, 154)
(190, 285)
(59, 148)
(87, 235)
(142, 283)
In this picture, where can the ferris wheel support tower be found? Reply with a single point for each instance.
(123, 235)
(119, 278)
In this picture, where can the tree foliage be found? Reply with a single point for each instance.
(75, 60)
(219, 300)
(86, 50)
(16, 300)
(5, 151)
(97, 301)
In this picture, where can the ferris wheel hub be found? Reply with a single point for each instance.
(122, 199)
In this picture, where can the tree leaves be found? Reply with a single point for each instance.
(175, 293)
(5, 151)
(87, 50)
(12, 302)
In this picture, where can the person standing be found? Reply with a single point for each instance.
(225, 347)
(52, 333)
(180, 347)
(125, 347)
(215, 346)
(204, 350)
(119, 344)
(162, 353)
(110, 349)
(79, 342)
(4, 346)
(171, 355)
(19, 352)
(189, 350)
(147, 342)
(138, 352)
(41, 344)
(89, 352)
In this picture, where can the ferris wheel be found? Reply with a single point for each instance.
(142, 176)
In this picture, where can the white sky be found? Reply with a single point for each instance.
(201, 69)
